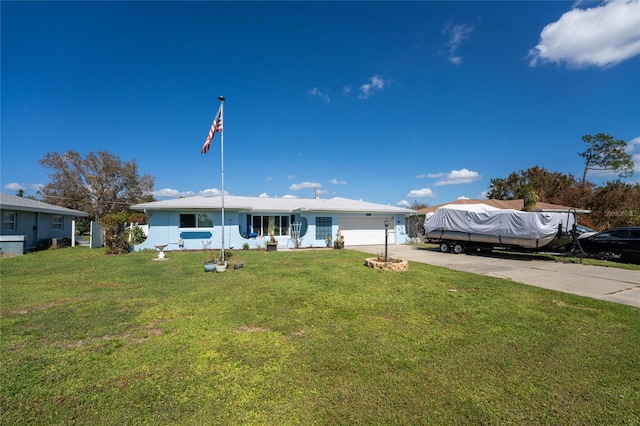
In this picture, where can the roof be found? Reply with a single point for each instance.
(272, 204)
(507, 204)
(27, 204)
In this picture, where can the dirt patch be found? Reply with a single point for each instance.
(565, 305)
(42, 306)
(251, 329)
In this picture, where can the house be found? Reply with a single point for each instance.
(28, 223)
(192, 222)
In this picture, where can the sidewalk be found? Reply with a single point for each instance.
(610, 284)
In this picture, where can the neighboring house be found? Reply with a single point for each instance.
(26, 223)
(189, 223)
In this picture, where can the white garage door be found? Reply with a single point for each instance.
(362, 231)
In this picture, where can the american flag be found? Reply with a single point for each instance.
(216, 126)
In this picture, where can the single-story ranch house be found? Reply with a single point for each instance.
(27, 223)
(191, 223)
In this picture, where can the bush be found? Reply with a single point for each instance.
(115, 236)
(137, 235)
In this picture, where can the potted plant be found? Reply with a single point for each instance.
(222, 260)
(339, 241)
(215, 261)
(272, 244)
(210, 262)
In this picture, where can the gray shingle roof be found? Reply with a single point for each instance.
(26, 204)
(272, 204)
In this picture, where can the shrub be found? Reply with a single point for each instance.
(115, 237)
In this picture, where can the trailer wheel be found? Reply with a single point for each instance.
(458, 248)
(444, 247)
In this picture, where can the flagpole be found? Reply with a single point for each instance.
(221, 99)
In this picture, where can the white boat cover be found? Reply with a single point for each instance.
(486, 220)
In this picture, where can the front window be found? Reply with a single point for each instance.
(9, 221)
(196, 220)
(57, 223)
(323, 228)
(263, 225)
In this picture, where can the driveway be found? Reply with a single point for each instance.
(599, 282)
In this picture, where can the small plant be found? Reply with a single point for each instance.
(206, 245)
(329, 240)
(339, 242)
(272, 239)
(223, 256)
(245, 246)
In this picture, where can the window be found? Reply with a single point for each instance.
(57, 222)
(263, 224)
(323, 228)
(196, 220)
(612, 235)
(9, 221)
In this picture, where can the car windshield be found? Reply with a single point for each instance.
(583, 229)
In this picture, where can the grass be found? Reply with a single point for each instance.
(305, 337)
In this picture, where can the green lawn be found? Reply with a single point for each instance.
(305, 337)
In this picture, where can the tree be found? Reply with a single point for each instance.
(415, 223)
(550, 187)
(615, 204)
(99, 184)
(605, 153)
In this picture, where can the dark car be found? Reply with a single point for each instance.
(621, 244)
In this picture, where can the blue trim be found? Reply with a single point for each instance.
(195, 235)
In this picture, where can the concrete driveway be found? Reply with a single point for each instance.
(599, 282)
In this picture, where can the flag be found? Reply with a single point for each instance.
(216, 126)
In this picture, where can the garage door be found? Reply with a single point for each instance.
(361, 231)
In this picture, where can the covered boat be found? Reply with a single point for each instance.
(459, 226)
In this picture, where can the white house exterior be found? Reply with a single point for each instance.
(189, 223)
(26, 223)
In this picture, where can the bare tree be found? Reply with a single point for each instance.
(99, 184)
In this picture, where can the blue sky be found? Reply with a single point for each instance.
(389, 102)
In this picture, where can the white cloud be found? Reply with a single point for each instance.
(14, 186)
(338, 182)
(601, 36)
(347, 89)
(420, 193)
(212, 192)
(289, 196)
(27, 187)
(375, 83)
(457, 34)
(455, 177)
(171, 193)
(304, 185)
(404, 203)
(462, 197)
(263, 195)
(316, 92)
